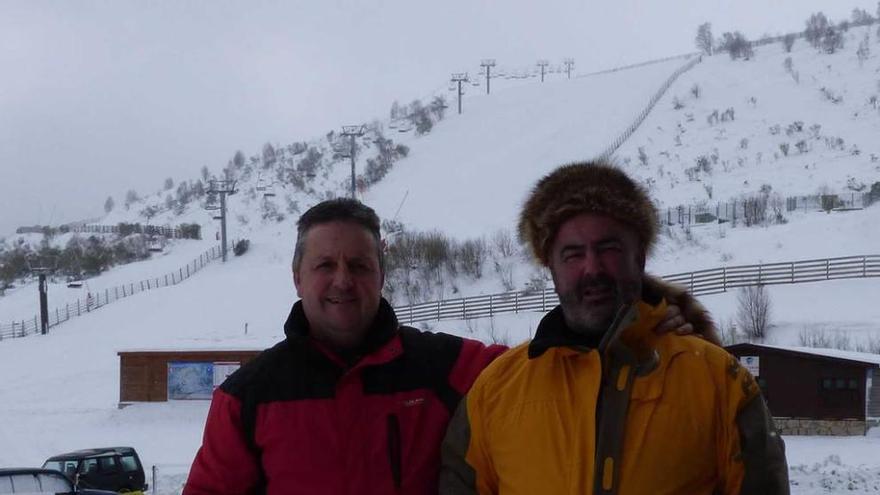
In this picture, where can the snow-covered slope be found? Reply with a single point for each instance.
(467, 178)
(491, 154)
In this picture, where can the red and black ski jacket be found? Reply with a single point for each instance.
(297, 420)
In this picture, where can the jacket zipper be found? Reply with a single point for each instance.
(394, 448)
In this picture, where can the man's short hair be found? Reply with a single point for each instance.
(337, 210)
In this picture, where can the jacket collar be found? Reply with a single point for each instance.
(554, 332)
(383, 330)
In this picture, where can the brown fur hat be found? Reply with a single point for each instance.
(588, 187)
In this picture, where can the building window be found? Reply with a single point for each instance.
(838, 392)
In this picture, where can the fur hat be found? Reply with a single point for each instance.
(589, 187)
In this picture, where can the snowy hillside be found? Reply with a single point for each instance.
(467, 178)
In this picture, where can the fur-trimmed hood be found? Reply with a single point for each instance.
(692, 311)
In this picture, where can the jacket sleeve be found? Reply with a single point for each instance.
(754, 454)
(465, 467)
(472, 359)
(225, 463)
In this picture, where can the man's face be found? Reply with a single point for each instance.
(597, 266)
(339, 281)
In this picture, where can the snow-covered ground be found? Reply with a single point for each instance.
(467, 177)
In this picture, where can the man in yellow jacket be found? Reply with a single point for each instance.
(597, 402)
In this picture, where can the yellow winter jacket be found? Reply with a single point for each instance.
(674, 415)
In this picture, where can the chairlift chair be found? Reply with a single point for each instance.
(74, 282)
(269, 191)
(155, 245)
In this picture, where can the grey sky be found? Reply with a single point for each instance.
(98, 97)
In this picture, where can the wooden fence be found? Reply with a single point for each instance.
(698, 283)
(629, 131)
(99, 299)
(746, 211)
(160, 230)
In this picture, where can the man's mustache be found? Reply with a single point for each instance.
(598, 282)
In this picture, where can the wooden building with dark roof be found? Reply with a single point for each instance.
(815, 391)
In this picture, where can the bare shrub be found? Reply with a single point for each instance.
(643, 157)
(502, 241)
(504, 269)
(736, 45)
(816, 337)
(753, 311)
(784, 148)
(728, 332)
(788, 42)
(470, 257)
(817, 26)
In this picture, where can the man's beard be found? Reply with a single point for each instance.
(594, 318)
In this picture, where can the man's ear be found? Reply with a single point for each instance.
(296, 281)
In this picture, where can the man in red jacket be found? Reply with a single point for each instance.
(351, 402)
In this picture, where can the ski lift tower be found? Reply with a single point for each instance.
(569, 64)
(460, 78)
(487, 64)
(42, 265)
(223, 188)
(353, 131)
(543, 65)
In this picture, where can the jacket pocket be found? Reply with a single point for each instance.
(394, 448)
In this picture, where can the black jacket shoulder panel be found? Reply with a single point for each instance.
(426, 363)
(290, 370)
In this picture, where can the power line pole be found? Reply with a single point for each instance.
(222, 187)
(543, 65)
(353, 131)
(459, 78)
(488, 63)
(569, 64)
(42, 265)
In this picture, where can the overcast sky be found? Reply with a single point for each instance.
(100, 97)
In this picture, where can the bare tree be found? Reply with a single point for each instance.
(788, 42)
(860, 17)
(238, 160)
(269, 156)
(736, 45)
(833, 40)
(131, 197)
(109, 204)
(753, 311)
(864, 50)
(704, 40)
(169, 183)
(817, 25)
